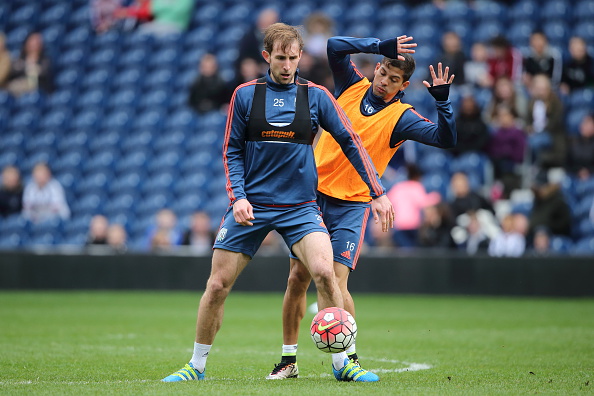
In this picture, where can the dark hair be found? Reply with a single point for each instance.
(407, 65)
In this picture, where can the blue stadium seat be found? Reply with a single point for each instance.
(165, 160)
(68, 178)
(54, 15)
(519, 32)
(57, 118)
(586, 228)
(207, 13)
(490, 11)
(239, 13)
(131, 77)
(199, 160)
(487, 30)
(104, 140)
(188, 204)
(128, 181)
(96, 179)
(436, 181)
(361, 11)
(200, 37)
(574, 117)
(172, 140)
(93, 98)
(41, 140)
(583, 97)
(153, 203)
(126, 97)
(392, 12)
(70, 160)
(160, 182)
(524, 10)
(100, 161)
(158, 78)
(79, 224)
(475, 163)
(140, 139)
(102, 57)
(77, 37)
(10, 157)
(584, 29)
(194, 181)
(26, 119)
(131, 160)
(97, 78)
(182, 119)
(16, 36)
(585, 188)
(455, 11)
(121, 203)
(87, 118)
(584, 11)
(151, 119)
(423, 13)
(120, 119)
(158, 99)
(434, 160)
(26, 14)
(360, 29)
(555, 9)
(12, 139)
(558, 32)
(584, 246)
(164, 58)
(46, 155)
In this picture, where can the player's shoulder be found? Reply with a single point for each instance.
(247, 87)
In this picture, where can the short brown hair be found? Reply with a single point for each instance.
(282, 33)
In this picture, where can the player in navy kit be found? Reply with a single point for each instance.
(272, 181)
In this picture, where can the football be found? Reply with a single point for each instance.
(333, 330)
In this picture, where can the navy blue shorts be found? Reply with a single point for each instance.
(346, 222)
(292, 223)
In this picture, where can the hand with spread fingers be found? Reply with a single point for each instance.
(392, 48)
(441, 77)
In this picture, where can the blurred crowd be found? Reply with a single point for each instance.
(522, 129)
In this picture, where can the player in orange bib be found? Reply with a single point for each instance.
(383, 122)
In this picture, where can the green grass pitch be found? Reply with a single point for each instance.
(73, 343)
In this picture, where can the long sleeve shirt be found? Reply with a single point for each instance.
(283, 173)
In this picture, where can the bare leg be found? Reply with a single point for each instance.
(295, 301)
(226, 267)
(342, 275)
(315, 251)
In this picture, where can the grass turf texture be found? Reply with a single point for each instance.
(124, 342)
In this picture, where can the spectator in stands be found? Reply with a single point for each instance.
(31, 71)
(409, 197)
(168, 17)
(470, 235)
(453, 55)
(464, 199)
(435, 230)
(541, 244)
(103, 13)
(378, 241)
(164, 233)
(318, 29)
(315, 70)
(545, 124)
(11, 192)
(506, 149)
(476, 69)
(473, 132)
(135, 14)
(504, 60)
(249, 69)
(550, 209)
(542, 59)
(5, 61)
(250, 45)
(44, 197)
(98, 230)
(209, 91)
(117, 238)
(509, 242)
(506, 93)
(200, 236)
(578, 71)
(580, 157)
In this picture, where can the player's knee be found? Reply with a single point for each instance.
(323, 277)
(299, 278)
(218, 288)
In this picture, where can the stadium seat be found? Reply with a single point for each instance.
(104, 140)
(120, 119)
(487, 30)
(96, 179)
(435, 161)
(207, 13)
(54, 14)
(131, 160)
(41, 140)
(172, 140)
(164, 58)
(584, 29)
(557, 31)
(188, 204)
(122, 202)
(584, 246)
(585, 188)
(455, 11)
(93, 98)
(238, 13)
(193, 181)
(583, 11)
(10, 157)
(26, 14)
(69, 160)
(583, 97)
(26, 119)
(100, 161)
(474, 163)
(158, 99)
(555, 9)
(574, 117)
(160, 182)
(153, 203)
(77, 37)
(436, 181)
(361, 11)
(182, 119)
(159, 78)
(165, 161)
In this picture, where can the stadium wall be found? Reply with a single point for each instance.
(443, 274)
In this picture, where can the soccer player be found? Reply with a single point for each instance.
(383, 122)
(271, 182)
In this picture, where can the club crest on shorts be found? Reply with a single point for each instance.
(222, 234)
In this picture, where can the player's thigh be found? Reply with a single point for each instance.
(226, 267)
(315, 252)
(238, 238)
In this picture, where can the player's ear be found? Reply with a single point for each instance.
(405, 85)
(266, 56)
